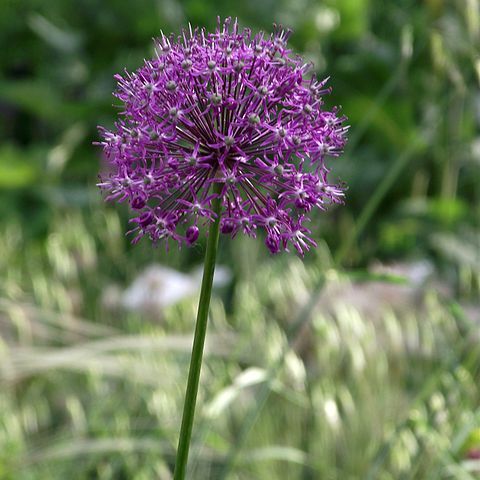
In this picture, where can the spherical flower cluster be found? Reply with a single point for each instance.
(223, 114)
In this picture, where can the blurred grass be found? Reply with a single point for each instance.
(300, 382)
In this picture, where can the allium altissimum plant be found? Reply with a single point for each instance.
(225, 129)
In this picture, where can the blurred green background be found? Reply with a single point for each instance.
(359, 362)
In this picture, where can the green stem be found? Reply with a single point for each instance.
(198, 341)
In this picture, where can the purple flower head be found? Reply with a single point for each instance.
(231, 109)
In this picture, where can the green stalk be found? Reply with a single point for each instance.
(198, 341)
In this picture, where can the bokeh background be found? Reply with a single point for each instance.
(360, 361)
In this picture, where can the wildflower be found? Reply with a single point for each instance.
(231, 110)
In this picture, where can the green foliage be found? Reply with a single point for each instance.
(326, 393)
(299, 383)
(17, 168)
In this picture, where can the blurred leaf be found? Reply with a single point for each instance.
(463, 249)
(448, 211)
(274, 452)
(62, 40)
(390, 123)
(42, 99)
(17, 169)
(472, 441)
(354, 18)
(368, 276)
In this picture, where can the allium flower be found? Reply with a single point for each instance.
(227, 109)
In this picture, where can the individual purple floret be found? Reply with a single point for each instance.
(231, 109)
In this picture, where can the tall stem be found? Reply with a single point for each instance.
(198, 341)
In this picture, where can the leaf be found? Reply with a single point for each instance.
(62, 40)
(17, 170)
